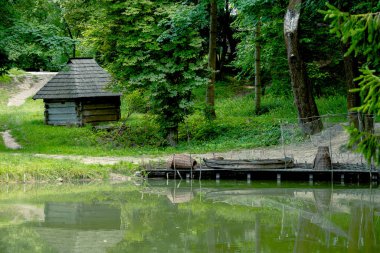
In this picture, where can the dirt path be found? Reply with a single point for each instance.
(30, 84)
(9, 141)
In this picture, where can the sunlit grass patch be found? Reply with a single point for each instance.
(20, 167)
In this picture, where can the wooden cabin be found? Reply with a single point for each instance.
(77, 95)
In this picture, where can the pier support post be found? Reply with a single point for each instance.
(278, 178)
(249, 178)
(311, 179)
(374, 178)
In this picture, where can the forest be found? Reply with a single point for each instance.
(173, 59)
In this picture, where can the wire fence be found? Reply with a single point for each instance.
(294, 143)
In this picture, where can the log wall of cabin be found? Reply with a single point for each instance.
(100, 110)
(82, 111)
(61, 113)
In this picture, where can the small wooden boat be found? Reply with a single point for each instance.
(247, 164)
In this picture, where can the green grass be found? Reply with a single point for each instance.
(20, 167)
(7, 79)
(236, 126)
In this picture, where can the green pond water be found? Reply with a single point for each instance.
(180, 216)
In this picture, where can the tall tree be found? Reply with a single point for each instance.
(361, 33)
(227, 39)
(210, 94)
(258, 68)
(153, 46)
(308, 114)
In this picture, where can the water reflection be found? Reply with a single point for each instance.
(160, 216)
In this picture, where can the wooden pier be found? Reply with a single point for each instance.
(343, 173)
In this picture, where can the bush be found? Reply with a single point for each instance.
(146, 133)
(134, 102)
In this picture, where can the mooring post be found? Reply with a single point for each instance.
(249, 178)
(191, 169)
(342, 179)
(374, 178)
(311, 179)
(217, 177)
(175, 170)
(278, 178)
(200, 169)
(187, 177)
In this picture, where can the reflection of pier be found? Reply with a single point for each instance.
(315, 214)
(78, 227)
(314, 219)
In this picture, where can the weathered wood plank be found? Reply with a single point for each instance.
(99, 106)
(60, 105)
(64, 117)
(101, 112)
(62, 110)
(98, 118)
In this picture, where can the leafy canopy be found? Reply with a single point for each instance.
(153, 46)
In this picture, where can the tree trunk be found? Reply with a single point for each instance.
(172, 137)
(353, 98)
(258, 68)
(210, 95)
(308, 115)
(71, 36)
(228, 42)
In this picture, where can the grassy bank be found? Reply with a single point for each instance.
(236, 127)
(25, 167)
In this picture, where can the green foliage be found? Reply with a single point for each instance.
(146, 133)
(153, 47)
(135, 102)
(366, 143)
(36, 47)
(31, 36)
(361, 31)
(199, 128)
(5, 79)
(273, 59)
(369, 91)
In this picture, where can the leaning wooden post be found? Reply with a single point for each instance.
(308, 114)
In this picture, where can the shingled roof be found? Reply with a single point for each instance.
(82, 78)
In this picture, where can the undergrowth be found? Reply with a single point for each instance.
(137, 133)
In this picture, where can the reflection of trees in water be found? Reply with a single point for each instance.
(362, 234)
(226, 219)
